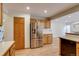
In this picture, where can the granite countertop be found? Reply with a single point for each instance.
(4, 46)
(75, 33)
(71, 37)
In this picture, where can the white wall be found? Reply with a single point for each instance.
(59, 23)
(27, 29)
(8, 27)
(75, 24)
(58, 28)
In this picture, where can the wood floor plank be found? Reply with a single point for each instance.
(47, 50)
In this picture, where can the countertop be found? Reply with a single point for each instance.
(4, 46)
(71, 37)
(76, 33)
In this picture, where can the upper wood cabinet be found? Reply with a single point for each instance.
(47, 23)
(1, 14)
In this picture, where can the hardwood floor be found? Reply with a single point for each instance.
(47, 50)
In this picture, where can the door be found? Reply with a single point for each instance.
(19, 32)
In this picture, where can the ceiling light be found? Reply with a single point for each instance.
(28, 8)
(69, 16)
(45, 11)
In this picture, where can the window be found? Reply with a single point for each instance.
(67, 28)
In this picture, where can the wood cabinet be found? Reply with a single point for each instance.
(68, 48)
(47, 39)
(47, 23)
(1, 5)
(10, 51)
(77, 48)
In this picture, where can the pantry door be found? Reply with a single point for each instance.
(19, 32)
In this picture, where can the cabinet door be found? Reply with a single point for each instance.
(0, 14)
(45, 40)
(77, 49)
(47, 24)
(49, 39)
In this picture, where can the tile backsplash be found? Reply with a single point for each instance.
(47, 31)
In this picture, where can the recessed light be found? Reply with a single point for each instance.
(69, 16)
(28, 8)
(45, 11)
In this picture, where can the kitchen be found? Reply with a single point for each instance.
(37, 32)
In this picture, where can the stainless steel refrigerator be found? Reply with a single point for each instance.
(35, 35)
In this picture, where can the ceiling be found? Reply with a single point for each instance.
(69, 19)
(37, 9)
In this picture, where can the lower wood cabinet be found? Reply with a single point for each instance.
(44, 39)
(69, 47)
(77, 51)
(77, 48)
(47, 39)
(11, 51)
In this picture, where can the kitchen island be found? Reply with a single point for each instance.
(69, 45)
(7, 48)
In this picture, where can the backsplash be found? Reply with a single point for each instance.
(47, 31)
